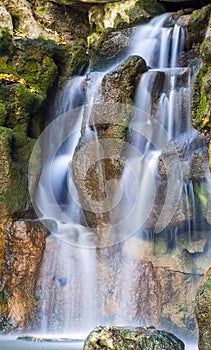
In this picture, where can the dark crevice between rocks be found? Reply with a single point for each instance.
(171, 6)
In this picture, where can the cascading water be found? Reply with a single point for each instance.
(81, 286)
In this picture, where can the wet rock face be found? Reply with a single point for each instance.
(24, 246)
(110, 117)
(203, 311)
(116, 338)
(119, 86)
(109, 47)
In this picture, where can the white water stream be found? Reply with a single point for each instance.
(71, 301)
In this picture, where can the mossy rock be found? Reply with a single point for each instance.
(19, 103)
(3, 113)
(198, 24)
(124, 338)
(144, 11)
(206, 50)
(6, 42)
(75, 62)
(106, 48)
(15, 151)
(201, 105)
(130, 12)
(203, 311)
(6, 66)
(34, 63)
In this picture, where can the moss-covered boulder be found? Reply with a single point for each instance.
(122, 338)
(198, 24)
(203, 311)
(123, 14)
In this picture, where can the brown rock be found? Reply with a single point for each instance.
(24, 246)
(110, 116)
(203, 311)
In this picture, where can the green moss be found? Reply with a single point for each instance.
(3, 113)
(198, 22)
(76, 63)
(143, 11)
(39, 72)
(21, 147)
(41, 10)
(14, 153)
(206, 50)
(6, 42)
(6, 66)
(21, 103)
(130, 12)
(206, 286)
(201, 108)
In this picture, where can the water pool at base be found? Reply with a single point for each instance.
(13, 344)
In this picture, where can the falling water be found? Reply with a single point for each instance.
(74, 297)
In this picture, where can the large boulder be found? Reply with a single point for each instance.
(117, 338)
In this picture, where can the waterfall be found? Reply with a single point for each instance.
(81, 284)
